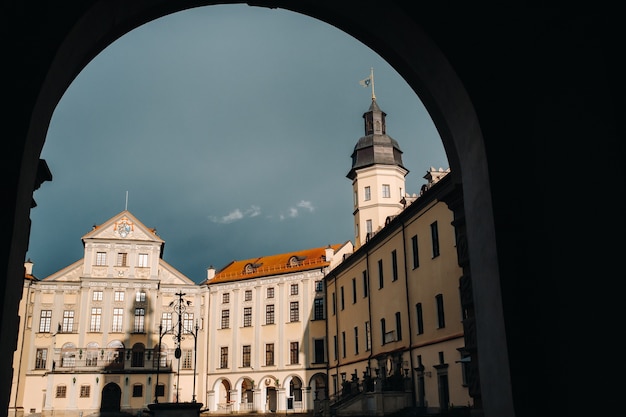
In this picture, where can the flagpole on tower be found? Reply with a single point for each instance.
(372, 82)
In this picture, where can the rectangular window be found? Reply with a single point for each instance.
(420, 318)
(140, 297)
(225, 319)
(270, 292)
(143, 260)
(187, 359)
(118, 296)
(137, 359)
(441, 321)
(365, 290)
(245, 355)
(188, 323)
(61, 391)
(398, 326)
(140, 316)
(335, 347)
(97, 296)
(318, 309)
(434, 234)
(40, 358)
(386, 191)
(319, 286)
(383, 329)
(368, 193)
(334, 301)
(101, 259)
(269, 354)
(137, 390)
(343, 344)
(68, 321)
(368, 227)
(96, 319)
(416, 259)
(353, 290)
(368, 336)
(394, 265)
(226, 298)
(319, 350)
(341, 298)
(294, 311)
(118, 318)
(247, 295)
(247, 316)
(294, 353)
(85, 391)
(166, 321)
(269, 314)
(381, 280)
(356, 340)
(224, 357)
(294, 289)
(122, 259)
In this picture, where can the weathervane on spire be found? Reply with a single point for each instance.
(369, 81)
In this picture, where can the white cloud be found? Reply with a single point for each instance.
(306, 205)
(237, 214)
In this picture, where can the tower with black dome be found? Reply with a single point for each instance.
(377, 174)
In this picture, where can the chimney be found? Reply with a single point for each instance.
(28, 266)
(210, 273)
(329, 253)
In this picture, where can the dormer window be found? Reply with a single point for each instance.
(251, 268)
(296, 260)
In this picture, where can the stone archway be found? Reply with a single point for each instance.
(111, 398)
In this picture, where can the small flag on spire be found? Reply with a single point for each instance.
(369, 81)
(366, 82)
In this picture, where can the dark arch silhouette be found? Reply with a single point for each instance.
(515, 94)
(111, 396)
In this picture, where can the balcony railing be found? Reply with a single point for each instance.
(107, 360)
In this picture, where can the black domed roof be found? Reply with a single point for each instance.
(375, 149)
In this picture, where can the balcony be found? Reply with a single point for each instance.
(108, 360)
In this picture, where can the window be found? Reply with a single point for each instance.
(41, 356)
(140, 316)
(270, 292)
(318, 309)
(269, 314)
(343, 344)
(334, 304)
(187, 359)
(365, 284)
(247, 316)
(245, 358)
(368, 227)
(122, 259)
(420, 318)
(353, 290)
(293, 353)
(383, 329)
(118, 296)
(224, 357)
(226, 298)
(248, 295)
(386, 191)
(394, 265)
(101, 258)
(61, 391)
(188, 323)
(294, 311)
(368, 338)
(398, 326)
(96, 318)
(319, 286)
(225, 319)
(335, 347)
(319, 350)
(118, 318)
(416, 259)
(381, 281)
(140, 297)
(294, 289)
(356, 340)
(137, 356)
(434, 234)
(166, 322)
(97, 296)
(137, 390)
(143, 260)
(441, 322)
(45, 319)
(341, 298)
(85, 391)
(160, 390)
(355, 198)
(368, 193)
(269, 354)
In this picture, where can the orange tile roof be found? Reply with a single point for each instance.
(274, 265)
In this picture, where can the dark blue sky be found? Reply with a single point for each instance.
(231, 128)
